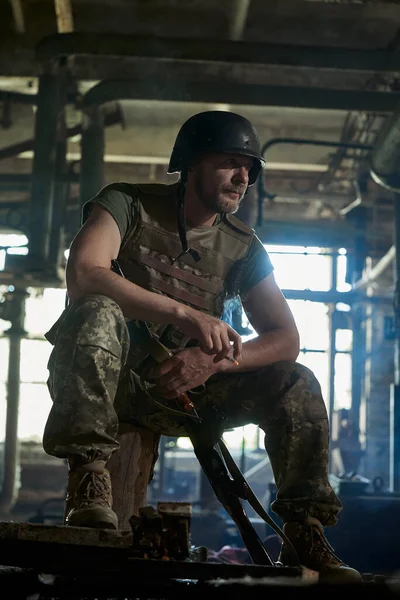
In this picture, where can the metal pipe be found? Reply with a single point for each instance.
(332, 296)
(263, 193)
(18, 15)
(395, 388)
(332, 342)
(377, 270)
(9, 491)
(60, 196)
(40, 213)
(18, 97)
(349, 207)
(16, 149)
(92, 154)
(239, 12)
(111, 118)
(356, 202)
(358, 357)
(396, 299)
(385, 156)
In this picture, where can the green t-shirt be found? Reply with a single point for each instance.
(124, 209)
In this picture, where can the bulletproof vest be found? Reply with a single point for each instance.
(151, 256)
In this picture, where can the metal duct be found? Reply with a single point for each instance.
(377, 270)
(264, 193)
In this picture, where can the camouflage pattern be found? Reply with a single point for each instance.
(91, 344)
(93, 389)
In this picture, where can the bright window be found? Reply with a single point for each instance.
(342, 381)
(312, 320)
(42, 310)
(34, 407)
(301, 268)
(34, 357)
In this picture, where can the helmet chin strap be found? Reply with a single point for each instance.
(181, 220)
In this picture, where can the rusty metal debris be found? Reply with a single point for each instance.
(164, 533)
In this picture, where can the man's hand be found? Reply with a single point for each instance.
(186, 370)
(215, 336)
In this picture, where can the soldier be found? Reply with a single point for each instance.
(184, 256)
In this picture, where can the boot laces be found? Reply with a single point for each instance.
(322, 546)
(93, 489)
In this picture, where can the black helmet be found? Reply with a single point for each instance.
(216, 131)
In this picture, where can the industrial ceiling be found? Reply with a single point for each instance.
(301, 70)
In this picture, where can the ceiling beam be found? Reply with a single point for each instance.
(252, 73)
(214, 51)
(240, 62)
(251, 95)
(89, 69)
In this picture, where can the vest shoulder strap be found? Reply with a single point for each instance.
(237, 224)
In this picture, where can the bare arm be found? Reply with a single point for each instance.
(88, 272)
(272, 319)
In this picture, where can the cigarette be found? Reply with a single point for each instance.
(232, 360)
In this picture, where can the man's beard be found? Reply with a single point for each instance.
(215, 201)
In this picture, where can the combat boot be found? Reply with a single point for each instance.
(315, 552)
(89, 498)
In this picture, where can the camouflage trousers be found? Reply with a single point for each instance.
(94, 390)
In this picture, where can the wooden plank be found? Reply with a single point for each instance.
(59, 534)
(131, 469)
